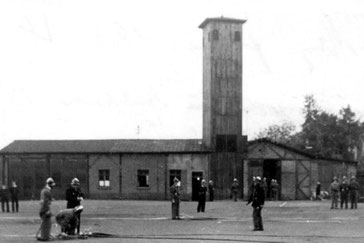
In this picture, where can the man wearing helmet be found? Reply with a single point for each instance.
(45, 211)
(74, 196)
(257, 199)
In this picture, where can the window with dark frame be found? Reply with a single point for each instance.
(143, 178)
(226, 143)
(237, 36)
(174, 174)
(104, 178)
(215, 35)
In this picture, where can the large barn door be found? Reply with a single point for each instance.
(303, 180)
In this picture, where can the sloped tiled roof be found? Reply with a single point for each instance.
(106, 146)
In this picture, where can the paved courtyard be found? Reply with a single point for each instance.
(223, 221)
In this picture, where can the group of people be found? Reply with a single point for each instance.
(344, 191)
(69, 219)
(270, 190)
(7, 194)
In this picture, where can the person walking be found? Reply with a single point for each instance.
(353, 193)
(334, 188)
(344, 193)
(4, 198)
(175, 194)
(45, 211)
(235, 189)
(257, 199)
(74, 196)
(14, 191)
(211, 190)
(202, 197)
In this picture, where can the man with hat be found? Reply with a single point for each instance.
(257, 199)
(344, 193)
(175, 193)
(74, 196)
(334, 187)
(235, 189)
(353, 192)
(45, 211)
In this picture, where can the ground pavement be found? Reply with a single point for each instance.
(223, 221)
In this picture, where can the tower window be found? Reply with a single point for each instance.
(226, 143)
(215, 35)
(237, 36)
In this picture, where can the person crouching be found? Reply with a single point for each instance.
(68, 219)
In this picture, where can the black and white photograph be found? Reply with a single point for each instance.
(182, 121)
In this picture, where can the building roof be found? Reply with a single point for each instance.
(297, 151)
(221, 19)
(106, 146)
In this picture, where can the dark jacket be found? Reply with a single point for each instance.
(257, 196)
(73, 195)
(14, 191)
(202, 192)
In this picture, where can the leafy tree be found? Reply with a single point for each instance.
(278, 133)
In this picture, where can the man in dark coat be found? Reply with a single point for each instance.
(353, 192)
(235, 189)
(318, 191)
(45, 211)
(344, 193)
(74, 196)
(14, 191)
(257, 199)
(202, 197)
(175, 193)
(4, 198)
(211, 190)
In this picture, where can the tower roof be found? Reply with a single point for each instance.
(221, 19)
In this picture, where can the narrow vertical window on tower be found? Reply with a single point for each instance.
(215, 35)
(237, 36)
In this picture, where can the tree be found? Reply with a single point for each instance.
(278, 133)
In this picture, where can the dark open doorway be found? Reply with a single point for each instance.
(196, 182)
(272, 170)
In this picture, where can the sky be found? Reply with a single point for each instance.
(110, 69)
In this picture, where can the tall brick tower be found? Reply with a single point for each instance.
(222, 99)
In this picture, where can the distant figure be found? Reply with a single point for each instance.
(4, 198)
(68, 219)
(211, 190)
(45, 211)
(344, 193)
(334, 188)
(175, 193)
(74, 196)
(265, 186)
(14, 191)
(274, 189)
(202, 197)
(353, 192)
(235, 189)
(257, 199)
(318, 191)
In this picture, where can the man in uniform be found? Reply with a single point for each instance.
(344, 193)
(45, 211)
(265, 187)
(257, 199)
(353, 192)
(334, 188)
(14, 191)
(4, 193)
(211, 190)
(175, 199)
(235, 189)
(68, 219)
(74, 196)
(202, 197)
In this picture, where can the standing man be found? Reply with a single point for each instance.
(318, 191)
(353, 192)
(257, 199)
(45, 211)
(14, 191)
(235, 189)
(175, 199)
(4, 198)
(202, 197)
(74, 196)
(265, 187)
(344, 193)
(211, 190)
(334, 188)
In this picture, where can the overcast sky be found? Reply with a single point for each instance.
(96, 69)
